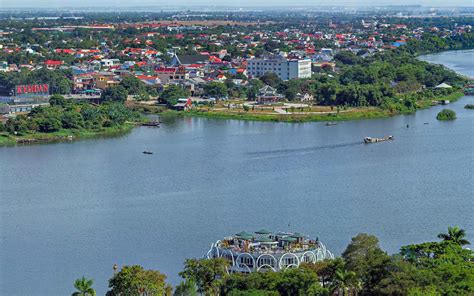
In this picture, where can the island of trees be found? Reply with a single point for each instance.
(65, 119)
(446, 114)
(443, 267)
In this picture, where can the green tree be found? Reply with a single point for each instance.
(445, 265)
(206, 273)
(365, 257)
(84, 287)
(93, 118)
(57, 100)
(345, 282)
(216, 89)
(446, 114)
(133, 85)
(252, 292)
(72, 119)
(172, 93)
(186, 288)
(116, 93)
(326, 269)
(136, 281)
(456, 235)
(271, 79)
(48, 124)
(347, 57)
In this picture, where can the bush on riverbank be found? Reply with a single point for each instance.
(446, 114)
(64, 118)
(469, 106)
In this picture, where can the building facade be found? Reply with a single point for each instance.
(285, 69)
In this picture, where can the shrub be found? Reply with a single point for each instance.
(446, 114)
(469, 106)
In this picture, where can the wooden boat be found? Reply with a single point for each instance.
(147, 152)
(368, 140)
(151, 123)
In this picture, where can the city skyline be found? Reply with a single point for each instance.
(244, 3)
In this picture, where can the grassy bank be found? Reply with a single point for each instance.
(63, 135)
(343, 115)
(451, 98)
(355, 114)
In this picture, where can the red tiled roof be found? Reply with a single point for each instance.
(165, 70)
(53, 63)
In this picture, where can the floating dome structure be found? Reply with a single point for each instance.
(264, 251)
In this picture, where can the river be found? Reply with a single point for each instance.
(73, 209)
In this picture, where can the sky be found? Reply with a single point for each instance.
(243, 3)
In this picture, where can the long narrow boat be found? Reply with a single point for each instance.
(151, 123)
(368, 140)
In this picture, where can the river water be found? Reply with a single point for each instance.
(73, 209)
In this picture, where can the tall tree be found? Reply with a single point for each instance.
(216, 89)
(456, 235)
(133, 85)
(206, 273)
(136, 281)
(116, 93)
(345, 283)
(364, 257)
(84, 287)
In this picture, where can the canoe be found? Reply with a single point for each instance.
(369, 140)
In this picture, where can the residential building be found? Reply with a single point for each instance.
(171, 74)
(105, 80)
(188, 59)
(284, 68)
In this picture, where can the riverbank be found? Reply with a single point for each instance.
(341, 115)
(353, 114)
(451, 98)
(64, 135)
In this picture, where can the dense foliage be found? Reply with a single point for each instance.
(137, 281)
(394, 80)
(432, 268)
(84, 287)
(64, 114)
(446, 114)
(172, 93)
(469, 106)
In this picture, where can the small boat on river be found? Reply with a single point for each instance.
(330, 123)
(147, 152)
(368, 140)
(151, 123)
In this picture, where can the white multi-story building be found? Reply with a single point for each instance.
(284, 68)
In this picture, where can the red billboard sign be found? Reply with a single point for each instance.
(32, 89)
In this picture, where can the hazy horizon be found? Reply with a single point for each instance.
(243, 3)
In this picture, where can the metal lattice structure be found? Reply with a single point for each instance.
(268, 252)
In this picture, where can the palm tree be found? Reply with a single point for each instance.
(455, 235)
(84, 287)
(344, 282)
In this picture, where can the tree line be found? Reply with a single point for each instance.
(68, 115)
(432, 268)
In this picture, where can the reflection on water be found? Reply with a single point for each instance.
(73, 209)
